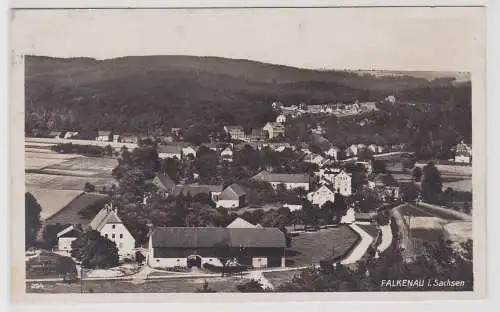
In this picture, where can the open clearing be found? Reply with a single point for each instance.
(60, 182)
(172, 285)
(311, 247)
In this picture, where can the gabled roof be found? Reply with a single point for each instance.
(207, 237)
(240, 224)
(194, 189)
(105, 216)
(103, 133)
(70, 231)
(70, 214)
(282, 177)
(165, 180)
(169, 149)
(233, 191)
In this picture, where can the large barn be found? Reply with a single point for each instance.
(194, 246)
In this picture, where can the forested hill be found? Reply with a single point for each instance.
(148, 93)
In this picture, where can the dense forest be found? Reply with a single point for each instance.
(152, 94)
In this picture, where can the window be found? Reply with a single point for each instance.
(113, 226)
(121, 235)
(106, 235)
(112, 235)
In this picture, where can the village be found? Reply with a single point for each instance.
(248, 207)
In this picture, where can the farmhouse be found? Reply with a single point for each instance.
(236, 132)
(169, 151)
(232, 197)
(274, 130)
(281, 119)
(189, 151)
(289, 180)
(116, 138)
(103, 136)
(333, 152)
(111, 226)
(321, 196)
(67, 236)
(164, 183)
(194, 246)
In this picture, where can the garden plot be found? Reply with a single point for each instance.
(60, 182)
(85, 166)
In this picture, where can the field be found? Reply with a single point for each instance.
(85, 166)
(458, 177)
(311, 247)
(61, 182)
(171, 285)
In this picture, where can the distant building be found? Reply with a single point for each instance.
(274, 130)
(169, 151)
(56, 134)
(70, 134)
(116, 138)
(321, 196)
(349, 217)
(281, 119)
(196, 246)
(290, 181)
(227, 154)
(315, 159)
(463, 153)
(129, 138)
(376, 149)
(103, 136)
(232, 197)
(213, 191)
(164, 183)
(236, 132)
(338, 179)
(189, 151)
(333, 152)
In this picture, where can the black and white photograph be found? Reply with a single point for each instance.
(249, 151)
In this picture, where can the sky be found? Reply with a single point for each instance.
(447, 39)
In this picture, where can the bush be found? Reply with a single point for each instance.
(252, 286)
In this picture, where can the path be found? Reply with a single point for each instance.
(386, 237)
(359, 251)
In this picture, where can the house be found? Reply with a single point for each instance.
(333, 152)
(169, 151)
(352, 150)
(321, 196)
(227, 154)
(278, 146)
(56, 134)
(232, 197)
(116, 138)
(281, 119)
(195, 246)
(257, 135)
(289, 180)
(189, 151)
(213, 191)
(67, 236)
(164, 183)
(70, 134)
(293, 205)
(111, 226)
(342, 183)
(339, 180)
(103, 136)
(215, 147)
(236, 132)
(274, 130)
(375, 149)
(240, 223)
(368, 106)
(463, 153)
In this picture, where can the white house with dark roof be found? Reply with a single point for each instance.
(103, 136)
(164, 183)
(236, 132)
(66, 237)
(111, 226)
(289, 180)
(232, 197)
(227, 154)
(321, 196)
(169, 151)
(197, 246)
(274, 129)
(463, 153)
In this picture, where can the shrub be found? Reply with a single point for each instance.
(252, 286)
(227, 269)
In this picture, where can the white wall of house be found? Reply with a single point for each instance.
(64, 243)
(102, 138)
(259, 262)
(169, 155)
(293, 207)
(175, 262)
(342, 183)
(228, 203)
(188, 151)
(119, 234)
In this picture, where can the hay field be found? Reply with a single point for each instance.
(37, 160)
(84, 166)
(61, 182)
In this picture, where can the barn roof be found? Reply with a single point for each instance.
(233, 191)
(206, 237)
(282, 177)
(70, 214)
(240, 223)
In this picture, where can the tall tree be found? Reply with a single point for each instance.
(431, 183)
(95, 251)
(32, 219)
